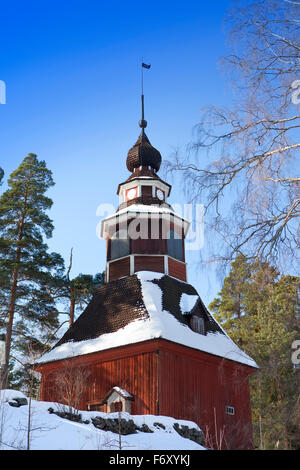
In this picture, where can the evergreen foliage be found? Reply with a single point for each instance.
(259, 309)
(27, 312)
(75, 293)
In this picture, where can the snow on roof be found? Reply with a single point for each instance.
(121, 391)
(143, 208)
(159, 324)
(188, 302)
(171, 329)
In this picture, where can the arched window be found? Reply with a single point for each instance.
(175, 245)
(197, 324)
(119, 245)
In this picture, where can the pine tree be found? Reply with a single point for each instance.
(242, 289)
(28, 313)
(266, 328)
(74, 293)
(79, 290)
(231, 302)
(276, 386)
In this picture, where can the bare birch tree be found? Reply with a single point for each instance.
(70, 385)
(248, 177)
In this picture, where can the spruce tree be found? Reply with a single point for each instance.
(28, 313)
(259, 309)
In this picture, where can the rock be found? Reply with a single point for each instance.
(190, 433)
(121, 426)
(144, 428)
(18, 401)
(70, 416)
(159, 425)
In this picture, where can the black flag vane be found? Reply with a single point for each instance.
(144, 66)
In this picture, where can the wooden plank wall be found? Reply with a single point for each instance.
(149, 263)
(119, 268)
(199, 390)
(177, 269)
(171, 380)
(137, 374)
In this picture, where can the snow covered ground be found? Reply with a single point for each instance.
(50, 432)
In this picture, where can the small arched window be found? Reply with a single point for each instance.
(175, 245)
(197, 324)
(119, 245)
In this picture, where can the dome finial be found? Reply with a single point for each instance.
(143, 153)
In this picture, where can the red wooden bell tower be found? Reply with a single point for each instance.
(146, 338)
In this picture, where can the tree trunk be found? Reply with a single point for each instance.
(72, 312)
(4, 376)
(280, 395)
(12, 302)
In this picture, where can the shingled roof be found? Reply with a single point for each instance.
(143, 154)
(116, 304)
(141, 307)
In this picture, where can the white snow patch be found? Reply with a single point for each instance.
(188, 302)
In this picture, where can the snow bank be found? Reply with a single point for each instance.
(50, 432)
(9, 395)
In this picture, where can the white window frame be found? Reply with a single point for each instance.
(230, 410)
(197, 324)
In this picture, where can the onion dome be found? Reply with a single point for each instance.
(143, 154)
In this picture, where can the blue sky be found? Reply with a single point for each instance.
(72, 72)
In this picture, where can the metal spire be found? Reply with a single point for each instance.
(143, 122)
